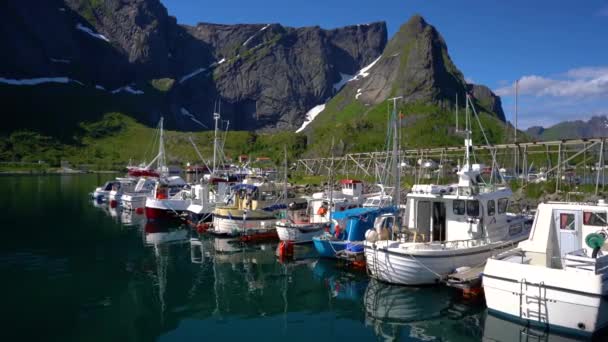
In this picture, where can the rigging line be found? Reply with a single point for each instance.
(485, 137)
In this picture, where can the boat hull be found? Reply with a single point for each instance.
(413, 268)
(165, 208)
(236, 227)
(132, 202)
(328, 248)
(566, 301)
(299, 233)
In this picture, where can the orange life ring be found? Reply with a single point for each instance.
(322, 211)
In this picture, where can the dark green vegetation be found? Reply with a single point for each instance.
(116, 139)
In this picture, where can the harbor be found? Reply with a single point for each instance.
(179, 171)
(239, 246)
(93, 268)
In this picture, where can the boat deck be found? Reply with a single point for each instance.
(465, 279)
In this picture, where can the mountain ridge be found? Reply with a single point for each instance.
(271, 76)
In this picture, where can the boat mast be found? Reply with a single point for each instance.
(468, 142)
(161, 149)
(216, 117)
(285, 175)
(395, 156)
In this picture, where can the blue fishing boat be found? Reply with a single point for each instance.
(347, 229)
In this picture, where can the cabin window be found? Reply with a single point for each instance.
(473, 208)
(594, 218)
(458, 207)
(502, 205)
(491, 207)
(566, 221)
(388, 223)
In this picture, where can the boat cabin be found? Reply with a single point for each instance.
(352, 187)
(252, 197)
(167, 187)
(463, 211)
(563, 231)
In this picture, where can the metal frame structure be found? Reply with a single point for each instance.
(558, 155)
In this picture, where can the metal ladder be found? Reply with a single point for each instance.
(541, 301)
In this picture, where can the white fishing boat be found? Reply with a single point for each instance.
(165, 202)
(558, 278)
(253, 209)
(101, 193)
(137, 198)
(204, 197)
(124, 185)
(213, 188)
(446, 228)
(297, 227)
(324, 203)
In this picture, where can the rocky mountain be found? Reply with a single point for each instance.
(595, 127)
(415, 65)
(266, 76)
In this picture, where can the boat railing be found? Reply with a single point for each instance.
(579, 260)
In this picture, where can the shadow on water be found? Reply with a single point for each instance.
(73, 270)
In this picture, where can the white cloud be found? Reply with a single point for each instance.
(469, 80)
(577, 83)
(603, 12)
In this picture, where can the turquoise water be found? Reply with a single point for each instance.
(73, 270)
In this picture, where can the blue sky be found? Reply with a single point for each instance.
(557, 49)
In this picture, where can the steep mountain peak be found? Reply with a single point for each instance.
(416, 65)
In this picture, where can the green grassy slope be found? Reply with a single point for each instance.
(117, 138)
(359, 128)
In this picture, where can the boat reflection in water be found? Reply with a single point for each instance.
(341, 283)
(504, 330)
(157, 234)
(422, 313)
(131, 218)
(127, 218)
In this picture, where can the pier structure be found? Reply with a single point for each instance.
(562, 161)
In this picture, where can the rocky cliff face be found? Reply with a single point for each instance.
(267, 76)
(416, 66)
(487, 99)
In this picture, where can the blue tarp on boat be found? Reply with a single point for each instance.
(353, 223)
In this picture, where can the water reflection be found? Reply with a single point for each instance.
(423, 313)
(503, 330)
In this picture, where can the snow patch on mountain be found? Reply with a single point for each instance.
(36, 81)
(363, 73)
(344, 78)
(255, 34)
(185, 112)
(127, 89)
(90, 32)
(311, 115)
